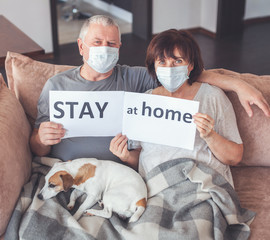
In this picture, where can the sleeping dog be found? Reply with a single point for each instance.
(117, 187)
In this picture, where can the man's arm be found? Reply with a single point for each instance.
(247, 94)
(48, 134)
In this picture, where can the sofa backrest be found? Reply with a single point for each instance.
(254, 131)
(26, 77)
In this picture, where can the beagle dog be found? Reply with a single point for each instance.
(116, 187)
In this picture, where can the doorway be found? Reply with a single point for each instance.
(66, 30)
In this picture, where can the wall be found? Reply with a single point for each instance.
(32, 17)
(208, 20)
(182, 14)
(257, 9)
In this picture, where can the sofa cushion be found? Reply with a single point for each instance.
(255, 130)
(26, 77)
(15, 155)
(252, 187)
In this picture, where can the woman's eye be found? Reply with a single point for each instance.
(161, 62)
(178, 61)
(51, 185)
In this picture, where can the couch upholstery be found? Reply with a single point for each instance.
(15, 155)
(26, 78)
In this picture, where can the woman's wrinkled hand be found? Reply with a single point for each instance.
(205, 124)
(118, 147)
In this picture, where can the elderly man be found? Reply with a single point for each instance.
(99, 43)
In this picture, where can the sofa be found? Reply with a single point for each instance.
(18, 102)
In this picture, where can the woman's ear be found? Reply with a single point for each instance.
(190, 68)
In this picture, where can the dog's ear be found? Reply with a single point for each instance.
(67, 181)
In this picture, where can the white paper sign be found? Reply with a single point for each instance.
(160, 119)
(85, 113)
(142, 117)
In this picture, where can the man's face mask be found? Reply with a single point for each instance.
(102, 59)
(172, 78)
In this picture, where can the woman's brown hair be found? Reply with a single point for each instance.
(163, 45)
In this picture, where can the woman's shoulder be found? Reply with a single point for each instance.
(209, 93)
(213, 91)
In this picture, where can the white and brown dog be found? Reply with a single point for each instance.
(119, 188)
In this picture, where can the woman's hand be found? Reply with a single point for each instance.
(226, 151)
(205, 124)
(118, 147)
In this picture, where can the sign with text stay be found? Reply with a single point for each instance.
(142, 117)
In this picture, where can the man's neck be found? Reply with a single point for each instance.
(91, 75)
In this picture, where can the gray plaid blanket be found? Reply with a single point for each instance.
(187, 200)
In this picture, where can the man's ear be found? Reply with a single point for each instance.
(80, 43)
(67, 181)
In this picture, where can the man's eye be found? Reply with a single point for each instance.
(51, 185)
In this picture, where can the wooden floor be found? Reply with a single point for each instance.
(249, 52)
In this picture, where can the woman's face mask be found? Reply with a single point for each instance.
(102, 59)
(172, 78)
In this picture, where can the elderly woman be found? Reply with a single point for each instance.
(174, 59)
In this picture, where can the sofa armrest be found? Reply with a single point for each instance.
(15, 155)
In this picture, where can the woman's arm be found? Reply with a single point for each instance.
(118, 147)
(226, 151)
(247, 94)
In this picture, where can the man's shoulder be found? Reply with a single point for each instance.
(65, 74)
(62, 77)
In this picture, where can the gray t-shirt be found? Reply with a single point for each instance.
(123, 78)
(213, 102)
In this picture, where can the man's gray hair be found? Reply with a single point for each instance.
(99, 19)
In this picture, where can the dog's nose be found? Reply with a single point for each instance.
(40, 196)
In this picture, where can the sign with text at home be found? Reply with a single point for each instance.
(160, 119)
(142, 117)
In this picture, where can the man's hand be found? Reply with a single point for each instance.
(249, 95)
(50, 133)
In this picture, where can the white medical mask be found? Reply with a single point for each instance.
(172, 78)
(102, 59)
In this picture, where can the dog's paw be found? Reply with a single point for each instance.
(89, 213)
(71, 204)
